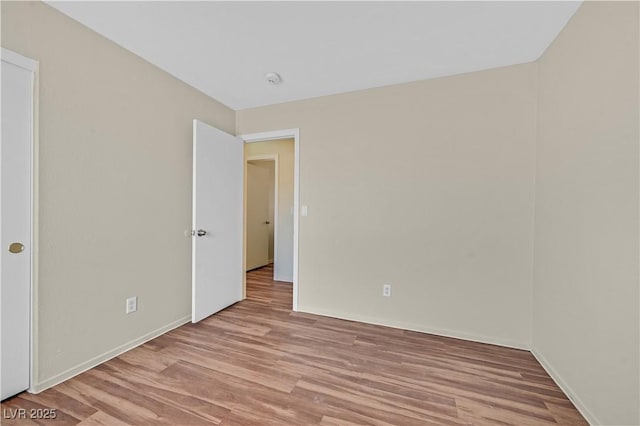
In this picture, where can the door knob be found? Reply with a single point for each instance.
(267, 222)
(201, 233)
(16, 248)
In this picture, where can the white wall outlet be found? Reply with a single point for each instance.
(386, 290)
(132, 304)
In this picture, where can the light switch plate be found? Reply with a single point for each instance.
(304, 211)
(132, 304)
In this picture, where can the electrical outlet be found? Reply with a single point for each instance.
(132, 304)
(386, 290)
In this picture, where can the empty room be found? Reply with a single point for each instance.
(320, 213)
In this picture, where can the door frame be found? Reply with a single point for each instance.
(295, 135)
(32, 66)
(274, 158)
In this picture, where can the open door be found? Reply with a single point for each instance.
(217, 270)
(258, 184)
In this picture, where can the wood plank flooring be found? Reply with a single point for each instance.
(259, 363)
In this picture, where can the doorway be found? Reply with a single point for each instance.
(261, 211)
(269, 201)
(281, 150)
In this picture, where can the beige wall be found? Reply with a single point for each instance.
(586, 323)
(427, 186)
(114, 190)
(284, 149)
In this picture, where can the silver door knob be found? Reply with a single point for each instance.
(201, 233)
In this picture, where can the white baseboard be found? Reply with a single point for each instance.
(287, 279)
(420, 328)
(581, 406)
(93, 362)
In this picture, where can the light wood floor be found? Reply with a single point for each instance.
(258, 363)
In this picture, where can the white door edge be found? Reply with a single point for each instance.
(287, 134)
(14, 58)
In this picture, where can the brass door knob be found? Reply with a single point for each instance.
(16, 248)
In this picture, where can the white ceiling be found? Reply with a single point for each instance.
(320, 48)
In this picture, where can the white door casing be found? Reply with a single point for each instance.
(16, 221)
(217, 270)
(258, 183)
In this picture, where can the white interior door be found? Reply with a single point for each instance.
(217, 220)
(15, 231)
(258, 186)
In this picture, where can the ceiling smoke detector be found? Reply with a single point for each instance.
(273, 78)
